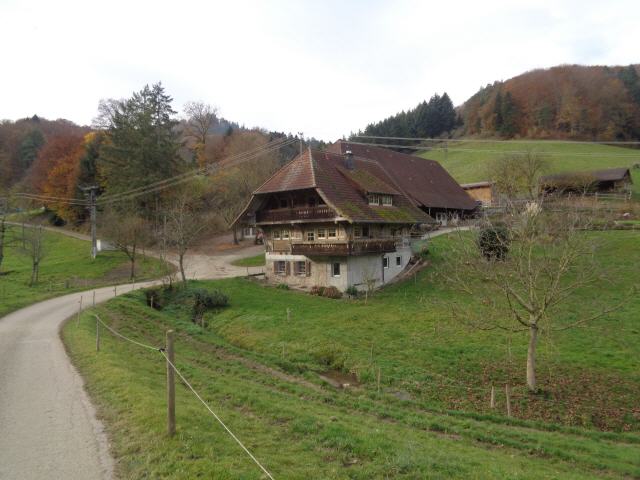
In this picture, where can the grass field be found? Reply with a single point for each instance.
(468, 161)
(430, 418)
(66, 267)
(255, 261)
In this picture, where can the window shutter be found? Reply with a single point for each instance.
(287, 268)
(308, 269)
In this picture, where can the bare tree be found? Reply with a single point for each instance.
(185, 222)
(33, 245)
(517, 175)
(200, 117)
(128, 233)
(546, 257)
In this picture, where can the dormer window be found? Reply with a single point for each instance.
(380, 199)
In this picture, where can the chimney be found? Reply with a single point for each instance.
(348, 160)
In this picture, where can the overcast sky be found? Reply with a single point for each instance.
(321, 67)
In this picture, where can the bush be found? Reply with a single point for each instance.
(352, 291)
(493, 242)
(158, 297)
(332, 292)
(317, 290)
(205, 300)
(282, 286)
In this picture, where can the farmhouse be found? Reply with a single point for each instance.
(482, 192)
(339, 219)
(601, 181)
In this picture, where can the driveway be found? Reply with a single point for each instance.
(48, 427)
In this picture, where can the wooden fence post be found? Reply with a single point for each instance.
(97, 334)
(507, 391)
(171, 387)
(79, 310)
(492, 403)
(114, 290)
(94, 298)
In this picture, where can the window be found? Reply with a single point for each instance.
(387, 200)
(322, 233)
(331, 232)
(385, 262)
(285, 234)
(357, 232)
(311, 237)
(365, 231)
(302, 268)
(247, 231)
(373, 199)
(335, 269)
(398, 261)
(280, 267)
(275, 234)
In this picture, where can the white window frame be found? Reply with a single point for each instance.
(385, 262)
(373, 199)
(357, 232)
(285, 234)
(277, 271)
(275, 234)
(398, 261)
(311, 236)
(333, 269)
(386, 200)
(300, 272)
(322, 233)
(334, 230)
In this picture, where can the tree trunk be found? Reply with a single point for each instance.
(34, 274)
(181, 263)
(133, 262)
(531, 357)
(3, 231)
(235, 236)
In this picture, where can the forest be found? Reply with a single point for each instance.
(564, 102)
(132, 143)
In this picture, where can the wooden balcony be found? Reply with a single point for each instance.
(321, 212)
(346, 248)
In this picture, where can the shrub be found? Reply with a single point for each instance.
(282, 286)
(493, 242)
(158, 297)
(205, 300)
(352, 291)
(332, 292)
(317, 290)
(331, 356)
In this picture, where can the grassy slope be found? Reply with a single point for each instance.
(255, 261)
(301, 430)
(67, 261)
(468, 161)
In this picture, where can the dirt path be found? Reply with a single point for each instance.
(48, 427)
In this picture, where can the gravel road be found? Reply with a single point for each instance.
(48, 427)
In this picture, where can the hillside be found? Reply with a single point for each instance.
(568, 101)
(469, 161)
(429, 417)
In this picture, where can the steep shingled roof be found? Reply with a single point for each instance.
(424, 181)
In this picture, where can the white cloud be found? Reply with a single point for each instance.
(324, 68)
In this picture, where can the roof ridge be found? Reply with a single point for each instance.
(313, 168)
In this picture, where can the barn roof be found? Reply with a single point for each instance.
(343, 188)
(425, 182)
(606, 175)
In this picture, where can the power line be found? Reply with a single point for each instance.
(486, 140)
(515, 152)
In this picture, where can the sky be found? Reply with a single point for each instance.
(324, 68)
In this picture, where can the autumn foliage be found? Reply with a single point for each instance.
(569, 101)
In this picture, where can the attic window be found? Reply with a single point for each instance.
(379, 199)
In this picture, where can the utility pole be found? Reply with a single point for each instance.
(91, 191)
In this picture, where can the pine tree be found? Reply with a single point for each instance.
(142, 143)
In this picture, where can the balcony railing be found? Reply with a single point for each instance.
(298, 213)
(346, 248)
